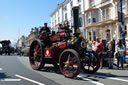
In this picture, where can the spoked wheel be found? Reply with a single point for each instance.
(36, 56)
(69, 63)
(93, 63)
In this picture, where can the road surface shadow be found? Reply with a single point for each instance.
(103, 75)
(51, 69)
(3, 76)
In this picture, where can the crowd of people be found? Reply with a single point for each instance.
(113, 48)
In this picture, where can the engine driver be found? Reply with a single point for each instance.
(45, 28)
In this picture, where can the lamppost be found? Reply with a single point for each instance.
(121, 21)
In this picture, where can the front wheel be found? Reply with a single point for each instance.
(69, 63)
(36, 56)
(92, 64)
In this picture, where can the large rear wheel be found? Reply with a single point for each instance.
(69, 63)
(36, 56)
(92, 65)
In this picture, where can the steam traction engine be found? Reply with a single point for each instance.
(5, 47)
(69, 52)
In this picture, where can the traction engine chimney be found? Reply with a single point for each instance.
(75, 12)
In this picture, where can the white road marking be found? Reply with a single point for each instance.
(30, 80)
(113, 78)
(1, 69)
(94, 82)
(118, 79)
(11, 80)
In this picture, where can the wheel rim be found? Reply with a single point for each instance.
(69, 64)
(93, 63)
(35, 55)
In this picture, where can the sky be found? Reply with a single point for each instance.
(17, 17)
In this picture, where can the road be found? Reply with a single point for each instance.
(16, 70)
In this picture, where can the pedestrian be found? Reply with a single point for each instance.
(99, 47)
(110, 52)
(93, 45)
(120, 53)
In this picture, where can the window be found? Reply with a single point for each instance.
(65, 8)
(90, 36)
(108, 35)
(71, 3)
(107, 13)
(89, 18)
(65, 16)
(104, 15)
(55, 22)
(78, 0)
(79, 8)
(94, 20)
(91, 3)
(94, 36)
(58, 19)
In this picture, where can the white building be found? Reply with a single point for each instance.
(96, 17)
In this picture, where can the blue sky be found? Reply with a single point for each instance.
(17, 17)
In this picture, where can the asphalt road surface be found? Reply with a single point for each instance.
(16, 70)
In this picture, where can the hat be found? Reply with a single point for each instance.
(45, 23)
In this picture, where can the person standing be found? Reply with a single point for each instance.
(120, 50)
(110, 53)
(93, 45)
(99, 47)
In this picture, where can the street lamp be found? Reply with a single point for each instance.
(121, 21)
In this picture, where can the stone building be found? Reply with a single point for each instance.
(33, 35)
(21, 42)
(101, 19)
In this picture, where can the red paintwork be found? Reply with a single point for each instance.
(54, 45)
(62, 45)
(60, 26)
(59, 44)
(61, 33)
(55, 38)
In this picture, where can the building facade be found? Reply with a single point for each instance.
(97, 18)
(21, 42)
(33, 35)
(102, 19)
